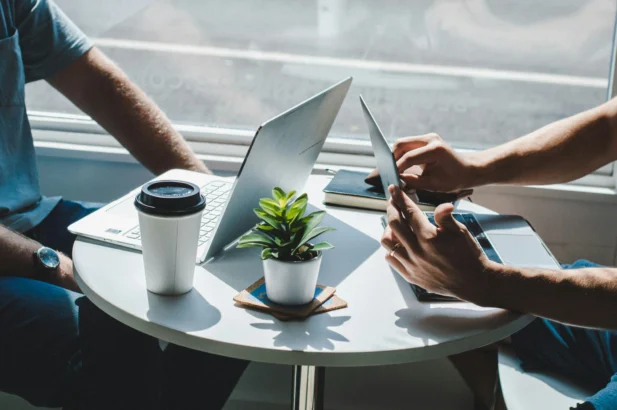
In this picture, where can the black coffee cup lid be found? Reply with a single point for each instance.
(170, 198)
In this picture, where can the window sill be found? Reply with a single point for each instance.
(226, 163)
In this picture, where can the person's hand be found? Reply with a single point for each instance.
(426, 162)
(64, 275)
(444, 259)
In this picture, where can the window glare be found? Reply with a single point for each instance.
(478, 72)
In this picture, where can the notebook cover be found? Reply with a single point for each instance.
(334, 303)
(255, 296)
(352, 183)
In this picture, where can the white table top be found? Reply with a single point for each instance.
(384, 323)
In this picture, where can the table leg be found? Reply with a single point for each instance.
(308, 385)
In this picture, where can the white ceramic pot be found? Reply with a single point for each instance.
(291, 283)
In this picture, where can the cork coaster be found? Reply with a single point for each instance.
(334, 303)
(255, 297)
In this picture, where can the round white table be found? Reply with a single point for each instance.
(383, 324)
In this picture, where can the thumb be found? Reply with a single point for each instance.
(444, 218)
(373, 178)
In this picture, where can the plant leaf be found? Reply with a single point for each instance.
(321, 246)
(285, 243)
(271, 207)
(269, 201)
(269, 219)
(251, 245)
(266, 254)
(299, 224)
(264, 227)
(278, 194)
(297, 209)
(256, 238)
(314, 233)
(313, 220)
(291, 195)
(299, 200)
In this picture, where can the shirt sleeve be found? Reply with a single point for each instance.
(48, 39)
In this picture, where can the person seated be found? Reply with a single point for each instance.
(575, 333)
(57, 348)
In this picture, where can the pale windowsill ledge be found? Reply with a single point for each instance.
(232, 164)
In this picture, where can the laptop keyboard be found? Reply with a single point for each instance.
(216, 193)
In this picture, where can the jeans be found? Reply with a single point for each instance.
(587, 356)
(58, 349)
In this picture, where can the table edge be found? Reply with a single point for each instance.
(294, 357)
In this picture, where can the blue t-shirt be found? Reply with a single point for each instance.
(36, 41)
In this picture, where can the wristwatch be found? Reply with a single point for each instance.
(46, 262)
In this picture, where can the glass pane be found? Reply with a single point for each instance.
(478, 72)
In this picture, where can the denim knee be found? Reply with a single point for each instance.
(38, 339)
(580, 264)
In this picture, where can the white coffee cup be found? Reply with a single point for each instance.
(169, 221)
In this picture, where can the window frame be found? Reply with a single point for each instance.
(611, 90)
(231, 145)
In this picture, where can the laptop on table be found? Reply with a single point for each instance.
(506, 239)
(282, 153)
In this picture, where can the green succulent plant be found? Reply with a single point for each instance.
(284, 231)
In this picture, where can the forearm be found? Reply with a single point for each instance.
(560, 152)
(581, 297)
(99, 88)
(17, 259)
(16, 254)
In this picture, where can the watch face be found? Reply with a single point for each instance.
(49, 258)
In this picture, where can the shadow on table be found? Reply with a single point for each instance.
(439, 321)
(239, 268)
(187, 313)
(315, 332)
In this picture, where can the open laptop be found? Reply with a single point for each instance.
(506, 239)
(282, 153)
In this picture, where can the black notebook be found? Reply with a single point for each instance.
(348, 188)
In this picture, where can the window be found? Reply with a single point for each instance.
(478, 72)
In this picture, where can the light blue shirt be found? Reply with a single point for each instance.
(36, 41)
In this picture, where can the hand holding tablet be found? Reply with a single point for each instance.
(386, 164)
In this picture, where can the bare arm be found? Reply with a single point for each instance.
(447, 260)
(99, 88)
(16, 254)
(583, 297)
(560, 152)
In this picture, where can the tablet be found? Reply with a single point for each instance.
(386, 164)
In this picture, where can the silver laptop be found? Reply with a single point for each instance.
(282, 153)
(507, 239)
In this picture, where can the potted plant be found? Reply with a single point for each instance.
(291, 261)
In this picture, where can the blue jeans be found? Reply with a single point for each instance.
(58, 349)
(587, 356)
